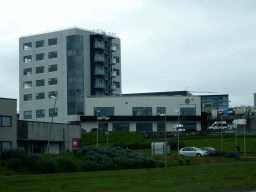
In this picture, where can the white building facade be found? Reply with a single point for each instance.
(141, 113)
(65, 67)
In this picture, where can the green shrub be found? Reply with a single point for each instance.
(187, 161)
(161, 163)
(65, 165)
(14, 163)
(180, 161)
(174, 144)
(45, 166)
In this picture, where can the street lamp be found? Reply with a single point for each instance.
(47, 150)
(178, 111)
(165, 151)
(107, 138)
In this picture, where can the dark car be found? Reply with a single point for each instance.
(211, 151)
(95, 129)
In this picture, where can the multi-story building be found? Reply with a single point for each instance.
(65, 67)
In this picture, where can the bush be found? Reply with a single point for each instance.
(187, 161)
(14, 163)
(231, 154)
(65, 165)
(45, 166)
(180, 161)
(174, 145)
(161, 163)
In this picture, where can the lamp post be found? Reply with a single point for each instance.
(47, 150)
(165, 151)
(107, 138)
(178, 111)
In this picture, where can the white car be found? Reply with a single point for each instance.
(193, 151)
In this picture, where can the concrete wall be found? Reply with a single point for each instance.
(61, 135)
(8, 107)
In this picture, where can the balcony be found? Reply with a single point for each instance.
(113, 74)
(98, 45)
(99, 85)
(113, 87)
(99, 72)
(98, 58)
(113, 48)
(113, 61)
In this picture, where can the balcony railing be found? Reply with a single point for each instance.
(113, 74)
(99, 72)
(99, 59)
(113, 61)
(99, 85)
(113, 87)
(98, 45)
(113, 48)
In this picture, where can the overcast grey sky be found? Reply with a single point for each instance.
(167, 45)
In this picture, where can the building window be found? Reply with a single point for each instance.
(39, 96)
(52, 41)
(28, 97)
(40, 57)
(53, 112)
(27, 59)
(117, 71)
(161, 126)
(27, 71)
(5, 145)
(52, 68)
(144, 126)
(53, 94)
(104, 111)
(40, 83)
(117, 84)
(52, 81)
(120, 126)
(188, 110)
(117, 47)
(160, 110)
(27, 84)
(40, 70)
(52, 55)
(5, 121)
(103, 126)
(142, 111)
(27, 46)
(40, 113)
(39, 44)
(28, 114)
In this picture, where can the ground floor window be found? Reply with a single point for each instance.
(120, 126)
(103, 126)
(5, 145)
(190, 126)
(144, 127)
(188, 110)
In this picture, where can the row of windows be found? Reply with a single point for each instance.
(140, 127)
(5, 121)
(51, 68)
(28, 46)
(40, 56)
(39, 83)
(188, 110)
(53, 112)
(39, 96)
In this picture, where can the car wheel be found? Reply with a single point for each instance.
(198, 155)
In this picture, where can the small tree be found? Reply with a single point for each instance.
(248, 125)
(162, 126)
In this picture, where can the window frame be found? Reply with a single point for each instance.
(49, 67)
(52, 41)
(26, 71)
(28, 57)
(27, 115)
(51, 55)
(53, 79)
(29, 48)
(135, 111)
(27, 95)
(41, 58)
(37, 81)
(3, 121)
(37, 70)
(42, 114)
(39, 96)
(27, 82)
(38, 42)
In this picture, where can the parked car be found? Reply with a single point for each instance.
(95, 129)
(193, 151)
(211, 151)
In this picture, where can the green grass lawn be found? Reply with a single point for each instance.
(226, 177)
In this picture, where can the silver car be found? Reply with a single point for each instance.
(193, 151)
